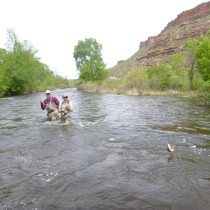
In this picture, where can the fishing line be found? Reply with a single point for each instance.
(74, 92)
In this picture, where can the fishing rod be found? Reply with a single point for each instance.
(74, 92)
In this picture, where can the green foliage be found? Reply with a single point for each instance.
(89, 60)
(164, 77)
(185, 71)
(3, 84)
(105, 86)
(21, 71)
(137, 79)
(198, 60)
(113, 84)
(72, 83)
(160, 77)
(179, 72)
(202, 54)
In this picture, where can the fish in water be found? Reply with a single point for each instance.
(169, 148)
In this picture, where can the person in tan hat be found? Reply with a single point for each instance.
(51, 104)
(65, 109)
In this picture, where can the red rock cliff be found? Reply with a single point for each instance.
(172, 39)
(185, 18)
(192, 14)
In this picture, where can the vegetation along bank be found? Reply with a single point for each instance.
(21, 72)
(175, 62)
(186, 73)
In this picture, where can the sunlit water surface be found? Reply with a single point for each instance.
(112, 155)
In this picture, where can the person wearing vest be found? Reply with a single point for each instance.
(51, 104)
(65, 109)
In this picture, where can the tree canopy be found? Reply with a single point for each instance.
(89, 62)
(200, 48)
(21, 71)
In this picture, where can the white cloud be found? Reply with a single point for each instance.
(55, 26)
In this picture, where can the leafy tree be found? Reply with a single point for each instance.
(137, 79)
(191, 60)
(18, 64)
(12, 40)
(160, 76)
(89, 62)
(3, 85)
(3, 53)
(179, 72)
(198, 57)
(202, 54)
(21, 71)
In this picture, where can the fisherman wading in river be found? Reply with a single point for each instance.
(65, 109)
(51, 104)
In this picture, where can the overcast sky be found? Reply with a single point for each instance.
(53, 27)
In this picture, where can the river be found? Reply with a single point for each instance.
(112, 155)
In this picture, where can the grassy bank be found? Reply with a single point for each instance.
(174, 79)
(120, 87)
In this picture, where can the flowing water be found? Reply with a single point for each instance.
(112, 155)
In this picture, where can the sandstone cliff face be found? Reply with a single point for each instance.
(188, 24)
(201, 10)
(172, 39)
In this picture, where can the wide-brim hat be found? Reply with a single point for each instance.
(47, 92)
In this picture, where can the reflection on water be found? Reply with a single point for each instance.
(111, 156)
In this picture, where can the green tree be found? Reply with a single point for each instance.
(179, 72)
(89, 62)
(21, 71)
(3, 83)
(191, 60)
(198, 56)
(202, 54)
(19, 64)
(159, 76)
(137, 79)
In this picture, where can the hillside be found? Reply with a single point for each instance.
(172, 39)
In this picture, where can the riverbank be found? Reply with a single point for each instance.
(120, 89)
(62, 85)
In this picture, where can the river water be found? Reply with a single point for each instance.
(112, 155)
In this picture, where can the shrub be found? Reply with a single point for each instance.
(137, 79)
(159, 77)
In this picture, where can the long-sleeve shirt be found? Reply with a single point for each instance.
(47, 101)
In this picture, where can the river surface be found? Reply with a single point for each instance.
(112, 155)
